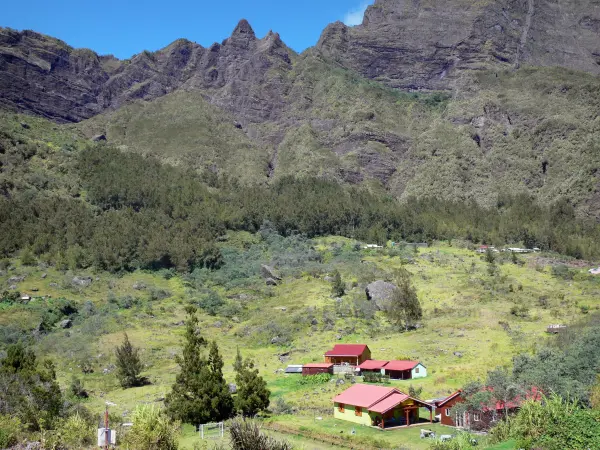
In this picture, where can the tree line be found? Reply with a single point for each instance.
(126, 211)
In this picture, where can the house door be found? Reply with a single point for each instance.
(461, 420)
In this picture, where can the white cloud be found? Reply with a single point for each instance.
(355, 15)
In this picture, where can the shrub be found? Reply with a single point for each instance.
(462, 441)
(320, 378)
(76, 388)
(281, 406)
(152, 430)
(521, 311)
(76, 432)
(10, 430)
(246, 435)
(562, 271)
(211, 302)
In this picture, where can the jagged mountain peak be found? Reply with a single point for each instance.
(243, 30)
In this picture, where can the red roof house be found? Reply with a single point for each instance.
(405, 370)
(372, 365)
(378, 406)
(351, 354)
(488, 415)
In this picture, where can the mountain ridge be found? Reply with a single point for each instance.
(417, 101)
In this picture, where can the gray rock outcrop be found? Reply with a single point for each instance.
(380, 292)
(82, 281)
(268, 272)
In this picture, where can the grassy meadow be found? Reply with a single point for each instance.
(468, 327)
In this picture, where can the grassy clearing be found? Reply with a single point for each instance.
(468, 326)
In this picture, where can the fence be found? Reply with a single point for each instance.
(211, 430)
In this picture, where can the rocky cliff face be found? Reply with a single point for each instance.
(427, 44)
(45, 76)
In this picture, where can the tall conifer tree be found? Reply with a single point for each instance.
(200, 393)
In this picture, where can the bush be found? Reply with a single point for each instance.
(10, 430)
(320, 378)
(246, 435)
(521, 311)
(152, 430)
(76, 432)
(211, 302)
(462, 441)
(562, 271)
(76, 388)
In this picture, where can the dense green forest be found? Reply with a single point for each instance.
(85, 205)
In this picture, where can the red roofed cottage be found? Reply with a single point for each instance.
(378, 406)
(405, 370)
(483, 419)
(351, 354)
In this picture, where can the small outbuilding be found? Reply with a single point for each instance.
(317, 368)
(294, 368)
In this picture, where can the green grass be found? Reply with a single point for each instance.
(462, 307)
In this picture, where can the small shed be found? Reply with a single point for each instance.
(294, 368)
(317, 368)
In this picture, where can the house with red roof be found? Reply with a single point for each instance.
(405, 370)
(486, 417)
(350, 354)
(373, 366)
(378, 406)
(396, 370)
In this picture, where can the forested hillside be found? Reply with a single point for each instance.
(89, 205)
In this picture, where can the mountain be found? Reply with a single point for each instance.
(424, 44)
(45, 76)
(460, 100)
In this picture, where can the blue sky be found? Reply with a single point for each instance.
(126, 27)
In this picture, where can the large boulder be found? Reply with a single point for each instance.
(269, 272)
(82, 281)
(380, 292)
(99, 138)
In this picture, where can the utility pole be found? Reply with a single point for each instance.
(106, 431)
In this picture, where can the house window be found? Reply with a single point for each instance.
(416, 369)
(358, 411)
(447, 412)
(476, 417)
(341, 407)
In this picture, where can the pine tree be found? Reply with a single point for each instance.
(129, 364)
(338, 289)
(238, 363)
(252, 393)
(219, 396)
(200, 393)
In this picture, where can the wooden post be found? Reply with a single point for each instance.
(430, 415)
(407, 412)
